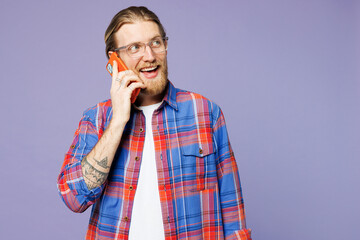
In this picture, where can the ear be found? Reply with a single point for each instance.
(109, 54)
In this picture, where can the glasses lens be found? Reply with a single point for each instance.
(158, 45)
(136, 49)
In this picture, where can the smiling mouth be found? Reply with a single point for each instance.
(149, 69)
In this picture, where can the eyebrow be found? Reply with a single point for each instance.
(128, 45)
(151, 39)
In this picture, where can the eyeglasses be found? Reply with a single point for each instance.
(137, 50)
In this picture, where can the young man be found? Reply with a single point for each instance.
(161, 168)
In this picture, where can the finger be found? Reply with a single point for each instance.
(127, 78)
(135, 85)
(129, 73)
(118, 79)
(121, 75)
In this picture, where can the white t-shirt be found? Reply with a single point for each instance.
(146, 218)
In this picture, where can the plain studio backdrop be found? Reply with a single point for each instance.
(285, 73)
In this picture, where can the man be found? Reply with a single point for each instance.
(161, 168)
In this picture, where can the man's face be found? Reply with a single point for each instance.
(151, 68)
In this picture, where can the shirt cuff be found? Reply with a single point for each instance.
(243, 234)
(76, 183)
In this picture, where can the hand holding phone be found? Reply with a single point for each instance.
(121, 67)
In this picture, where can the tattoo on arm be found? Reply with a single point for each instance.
(103, 163)
(94, 176)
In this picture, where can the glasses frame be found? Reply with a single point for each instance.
(165, 39)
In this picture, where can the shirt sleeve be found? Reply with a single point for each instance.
(231, 200)
(71, 185)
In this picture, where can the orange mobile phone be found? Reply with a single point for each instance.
(121, 67)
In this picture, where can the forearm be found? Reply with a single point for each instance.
(96, 165)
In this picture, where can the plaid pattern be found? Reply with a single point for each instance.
(198, 178)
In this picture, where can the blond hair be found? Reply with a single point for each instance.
(129, 15)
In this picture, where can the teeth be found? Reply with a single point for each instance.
(148, 69)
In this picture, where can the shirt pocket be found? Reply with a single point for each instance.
(198, 165)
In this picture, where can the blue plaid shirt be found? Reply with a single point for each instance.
(198, 177)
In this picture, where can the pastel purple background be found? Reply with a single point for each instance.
(286, 74)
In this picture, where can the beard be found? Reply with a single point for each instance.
(157, 86)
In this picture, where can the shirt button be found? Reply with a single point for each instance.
(131, 188)
(126, 219)
(141, 129)
(137, 158)
(72, 146)
(200, 151)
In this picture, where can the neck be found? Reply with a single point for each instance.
(146, 100)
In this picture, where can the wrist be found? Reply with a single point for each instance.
(117, 123)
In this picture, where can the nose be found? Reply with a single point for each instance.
(149, 55)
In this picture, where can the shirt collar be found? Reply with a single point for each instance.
(169, 98)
